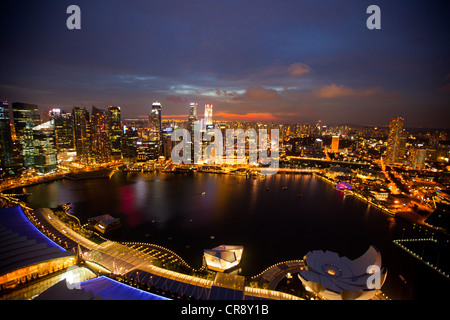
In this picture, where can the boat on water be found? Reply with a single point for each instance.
(284, 188)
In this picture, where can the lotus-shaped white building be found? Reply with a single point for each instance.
(339, 278)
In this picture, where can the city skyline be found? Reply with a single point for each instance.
(290, 62)
(234, 150)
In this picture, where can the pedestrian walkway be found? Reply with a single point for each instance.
(131, 263)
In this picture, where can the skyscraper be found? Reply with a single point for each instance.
(129, 142)
(335, 144)
(44, 147)
(26, 117)
(63, 130)
(81, 133)
(418, 158)
(6, 143)
(155, 131)
(192, 115)
(192, 126)
(115, 132)
(208, 114)
(101, 147)
(396, 143)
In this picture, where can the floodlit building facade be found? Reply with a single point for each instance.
(339, 278)
(335, 144)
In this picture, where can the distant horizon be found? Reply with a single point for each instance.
(184, 117)
(258, 60)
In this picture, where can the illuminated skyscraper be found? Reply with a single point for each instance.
(192, 115)
(155, 131)
(6, 143)
(396, 143)
(26, 117)
(129, 142)
(115, 132)
(192, 126)
(82, 133)
(63, 129)
(208, 114)
(418, 158)
(44, 147)
(335, 144)
(101, 147)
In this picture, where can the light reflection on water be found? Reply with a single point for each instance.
(272, 224)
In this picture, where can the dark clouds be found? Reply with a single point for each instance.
(296, 60)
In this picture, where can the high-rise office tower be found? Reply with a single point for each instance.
(155, 131)
(26, 117)
(208, 115)
(129, 142)
(44, 147)
(418, 158)
(192, 115)
(396, 143)
(81, 134)
(6, 143)
(63, 129)
(335, 144)
(115, 132)
(192, 126)
(101, 146)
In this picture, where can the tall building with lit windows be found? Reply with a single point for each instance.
(101, 147)
(192, 116)
(115, 132)
(26, 117)
(155, 131)
(396, 143)
(335, 144)
(192, 126)
(44, 147)
(81, 134)
(208, 114)
(63, 129)
(129, 142)
(418, 156)
(6, 143)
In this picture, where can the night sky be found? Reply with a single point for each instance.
(284, 60)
